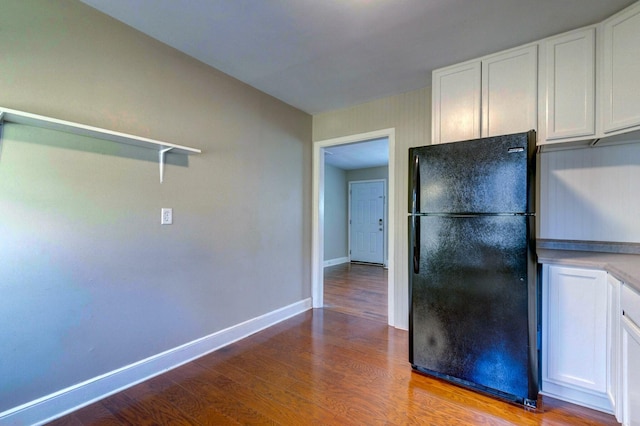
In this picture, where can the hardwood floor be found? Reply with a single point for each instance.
(332, 366)
(357, 289)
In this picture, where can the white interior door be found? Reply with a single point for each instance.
(367, 221)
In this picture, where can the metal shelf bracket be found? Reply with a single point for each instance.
(161, 153)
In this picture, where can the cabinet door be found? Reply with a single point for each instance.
(509, 92)
(613, 345)
(570, 85)
(574, 309)
(630, 302)
(630, 373)
(456, 103)
(621, 85)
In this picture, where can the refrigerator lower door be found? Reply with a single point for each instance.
(470, 290)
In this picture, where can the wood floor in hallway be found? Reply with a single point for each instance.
(341, 365)
(357, 289)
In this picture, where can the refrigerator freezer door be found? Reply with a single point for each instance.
(488, 175)
(469, 302)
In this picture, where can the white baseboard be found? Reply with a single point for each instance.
(74, 397)
(336, 261)
(593, 400)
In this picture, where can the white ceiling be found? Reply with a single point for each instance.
(361, 155)
(319, 55)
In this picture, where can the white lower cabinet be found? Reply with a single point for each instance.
(630, 348)
(576, 364)
(591, 341)
(614, 360)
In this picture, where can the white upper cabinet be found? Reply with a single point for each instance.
(456, 103)
(509, 92)
(568, 87)
(621, 71)
(489, 96)
(588, 81)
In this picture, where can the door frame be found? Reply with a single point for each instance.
(385, 216)
(317, 216)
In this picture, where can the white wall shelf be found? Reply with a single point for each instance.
(20, 117)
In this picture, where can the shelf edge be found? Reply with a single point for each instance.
(20, 117)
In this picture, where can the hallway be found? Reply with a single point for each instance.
(357, 289)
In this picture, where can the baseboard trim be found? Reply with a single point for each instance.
(67, 400)
(594, 400)
(336, 261)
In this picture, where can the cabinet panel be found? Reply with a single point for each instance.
(621, 86)
(577, 327)
(574, 336)
(630, 361)
(456, 103)
(509, 92)
(570, 85)
(630, 373)
(613, 346)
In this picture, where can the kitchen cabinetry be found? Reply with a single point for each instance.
(630, 396)
(456, 103)
(588, 80)
(509, 91)
(575, 331)
(589, 88)
(490, 96)
(568, 87)
(614, 384)
(621, 67)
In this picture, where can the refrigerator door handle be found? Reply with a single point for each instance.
(416, 244)
(415, 201)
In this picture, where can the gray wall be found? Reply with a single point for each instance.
(336, 207)
(370, 173)
(90, 281)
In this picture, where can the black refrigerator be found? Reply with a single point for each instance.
(473, 310)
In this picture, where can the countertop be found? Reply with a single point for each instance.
(620, 260)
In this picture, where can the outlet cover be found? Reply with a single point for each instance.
(166, 217)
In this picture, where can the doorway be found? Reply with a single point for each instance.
(317, 281)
